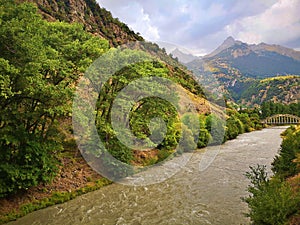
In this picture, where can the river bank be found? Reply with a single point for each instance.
(75, 178)
(212, 196)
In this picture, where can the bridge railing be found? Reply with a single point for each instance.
(281, 119)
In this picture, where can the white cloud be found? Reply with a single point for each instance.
(202, 25)
(134, 15)
(279, 24)
(145, 27)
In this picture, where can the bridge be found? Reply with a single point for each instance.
(282, 119)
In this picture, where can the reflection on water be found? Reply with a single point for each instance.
(212, 196)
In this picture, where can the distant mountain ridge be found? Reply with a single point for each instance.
(238, 67)
(235, 64)
(231, 42)
(256, 61)
(183, 57)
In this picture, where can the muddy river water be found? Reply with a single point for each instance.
(191, 196)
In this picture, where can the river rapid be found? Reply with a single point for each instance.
(191, 196)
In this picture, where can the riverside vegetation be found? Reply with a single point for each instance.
(276, 200)
(39, 69)
(270, 108)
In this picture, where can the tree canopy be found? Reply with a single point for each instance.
(39, 65)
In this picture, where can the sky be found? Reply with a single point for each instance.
(200, 26)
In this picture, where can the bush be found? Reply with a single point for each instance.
(245, 119)
(284, 165)
(216, 128)
(187, 143)
(163, 154)
(271, 201)
(204, 138)
(234, 128)
(31, 164)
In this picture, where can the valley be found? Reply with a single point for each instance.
(249, 74)
(98, 125)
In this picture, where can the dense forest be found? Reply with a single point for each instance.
(39, 66)
(270, 108)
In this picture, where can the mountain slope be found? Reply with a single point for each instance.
(285, 89)
(95, 19)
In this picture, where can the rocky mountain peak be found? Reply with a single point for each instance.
(95, 19)
(229, 42)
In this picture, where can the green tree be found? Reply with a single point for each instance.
(204, 135)
(283, 164)
(188, 143)
(234, 127)
(39, 65)
(216, 128)
(245, 119)
(271, 201)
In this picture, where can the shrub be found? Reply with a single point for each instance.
(284, 165)
(204, 138)
(187, 143)
(271, 201)
(216, 128)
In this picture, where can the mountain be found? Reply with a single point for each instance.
(229, 42)
(236, 68)
(278, 49)
(100, 22)
(95, 19)
(256, 61)
(183, 57)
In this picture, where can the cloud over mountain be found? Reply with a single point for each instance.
(202, 25)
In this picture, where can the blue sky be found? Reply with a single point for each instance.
(201, 25)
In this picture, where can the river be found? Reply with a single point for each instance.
(191, 196)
